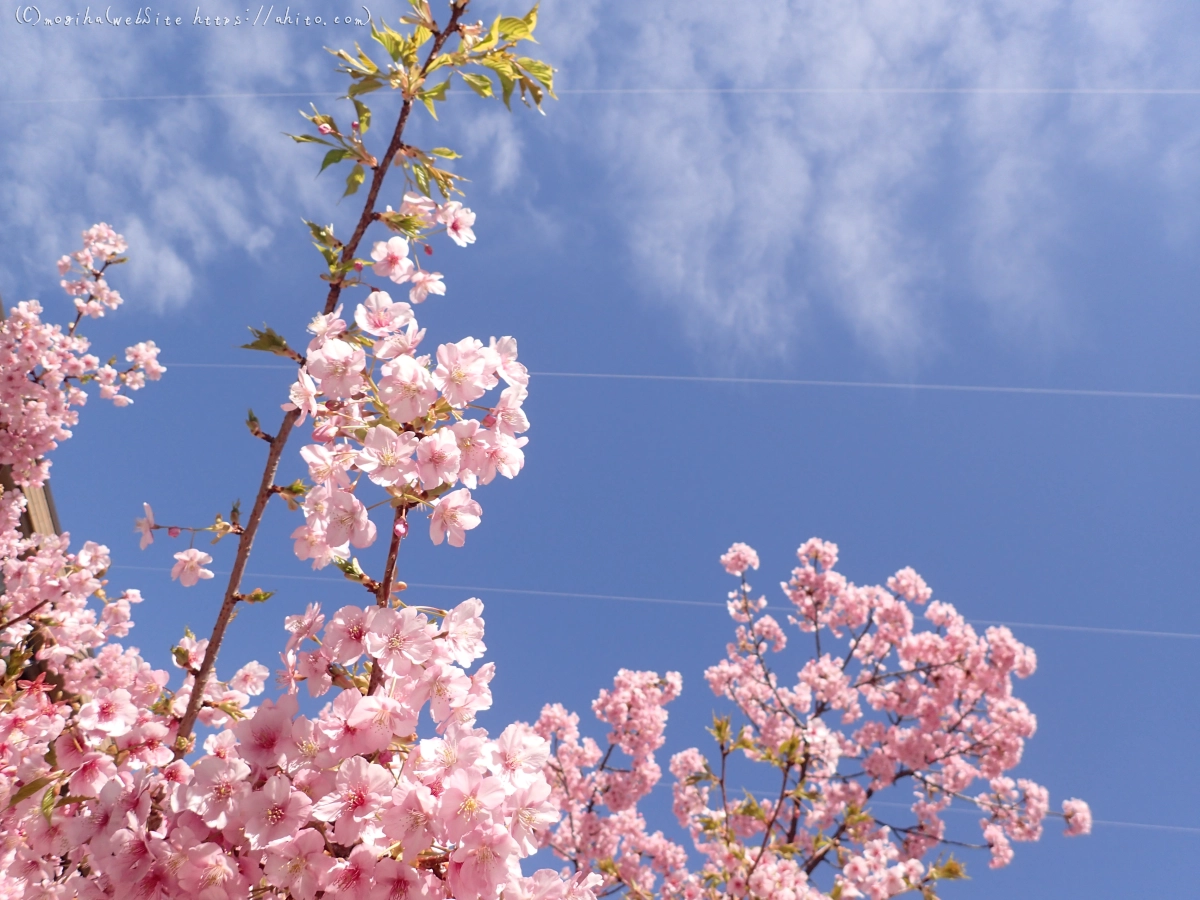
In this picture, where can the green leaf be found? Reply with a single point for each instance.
(308, 139)
(335, 156)
(258, 595)
(445, 153)
(29, 790)
(539, 70)
(514, 29)
(480, 84)
(437, 92)
(367, 62)
(421, 174)
(391, 40)
(364, 116)
(48, 804)
(354, 180)
(350, 568)
(364, 86)
(268, 341)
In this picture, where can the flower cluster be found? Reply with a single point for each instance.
(351, 802)
(389, 791)
(385, 415)
(930, 709)
(46, 365)
(418, 217)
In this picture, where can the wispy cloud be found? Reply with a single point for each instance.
(751, 210)
(189, 182)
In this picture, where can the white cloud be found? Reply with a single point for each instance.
(189, 182)
(747, 210)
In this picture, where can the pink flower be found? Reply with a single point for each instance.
(207, 872)
(311, 543)
(454, 515)
(461, 373)
(360, 790)
(519, 755)
(380, 315)
(188, 570)
(1079, 817)
(217, 789)
(468, 801)
(438, 459)
(458, 221)
(327, 464)
(349, 521)
(345, 638)
(425, 283)
(265, 739)
(324, 327)
(109, 712)
(351, 878)
(420, 206)
(409, 817)
(337, 365)
(303, 396)
(145, 527)
(275, 814)
(510, 417)
(485, 861)
(391, 259)
(399, 640)
(386, 457)
(299, 865)
(399, 881)
(464, 632)
(531, 814)
(739, 558)
(407, 389)
(250, 679)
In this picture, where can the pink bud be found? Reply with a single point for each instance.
(489, 420)
(428, 250)
(324, 129)
(354, 125)
(174, 531)
(401, 528)
(358, 266)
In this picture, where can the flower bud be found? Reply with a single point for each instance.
(173, 531)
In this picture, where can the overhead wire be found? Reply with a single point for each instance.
(799, 382)
(666, 601)
(679, 91)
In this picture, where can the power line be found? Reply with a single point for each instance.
(673, 91)
(1087, 629)
(1183, 829)
(886, 385)
(802, 382)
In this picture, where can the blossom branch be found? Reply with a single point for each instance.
(183, 743)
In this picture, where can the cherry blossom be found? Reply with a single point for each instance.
(391, 259)
(453, 516)
(189, 568)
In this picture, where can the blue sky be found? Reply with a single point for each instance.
(1009, 239)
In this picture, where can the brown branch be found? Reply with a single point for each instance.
(25, 615)
(385, 161)
(385, 586)
(183, 743)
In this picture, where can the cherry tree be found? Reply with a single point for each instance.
(392, 790)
